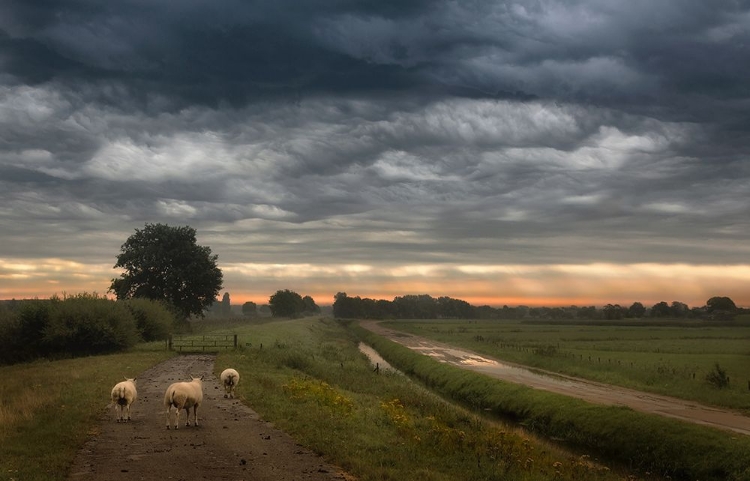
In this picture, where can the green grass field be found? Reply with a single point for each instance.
(47, 409)
(308, 377)
(672, 358)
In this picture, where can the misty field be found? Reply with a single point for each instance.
(671, 358)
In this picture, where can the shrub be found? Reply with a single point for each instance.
(718, 377)
(71, 326)
(9, 333)
(154, 320)
(86, 324)
(23, 332)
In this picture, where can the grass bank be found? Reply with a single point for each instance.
(309, 378)
(48, 409)
(647, 443)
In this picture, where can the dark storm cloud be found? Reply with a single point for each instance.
(378, 132)
(645, 55)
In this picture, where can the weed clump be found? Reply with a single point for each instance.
(717, 377)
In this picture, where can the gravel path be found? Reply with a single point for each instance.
(231, 442)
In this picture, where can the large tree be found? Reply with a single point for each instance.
(636, 310)
(166, 263)
(286, 303)
(250, 309)
(310, 306)
(719, 303)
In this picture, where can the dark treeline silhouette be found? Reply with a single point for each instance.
(424, 306)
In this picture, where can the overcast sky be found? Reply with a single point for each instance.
(531, 152)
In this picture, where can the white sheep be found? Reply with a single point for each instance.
(123, 395)
(230, 378)
(184, 395)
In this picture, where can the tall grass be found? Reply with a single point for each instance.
(47, 409)
(308, 377)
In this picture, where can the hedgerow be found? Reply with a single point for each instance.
(78, 325)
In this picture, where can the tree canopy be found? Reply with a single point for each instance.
(250, 309)
(286, 303)
(165, 263)
(719, 303)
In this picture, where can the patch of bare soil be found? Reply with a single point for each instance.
(590, 391)
(230, 443)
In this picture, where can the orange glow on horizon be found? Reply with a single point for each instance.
(511, 285)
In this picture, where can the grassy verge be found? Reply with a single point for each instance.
(310, 379)
(672, 358)
(47, 409)
(648, 443)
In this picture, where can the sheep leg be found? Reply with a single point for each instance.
(169, 417)
(118, 414)
(128, 420)
(195, 414)
(187, 414)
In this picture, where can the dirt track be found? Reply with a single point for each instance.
(575, 387)
(231, 442)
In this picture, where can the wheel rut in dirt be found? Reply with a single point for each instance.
(230, 443)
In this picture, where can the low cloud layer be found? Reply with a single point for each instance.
(385, 135)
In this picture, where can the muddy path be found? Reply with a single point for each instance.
(230, 443)
(575, 387)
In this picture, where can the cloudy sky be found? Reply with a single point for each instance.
(530, 152)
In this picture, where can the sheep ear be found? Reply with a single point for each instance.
(125, 377)
(202, 376)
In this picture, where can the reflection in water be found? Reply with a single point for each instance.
(375, 358)
(478, 361)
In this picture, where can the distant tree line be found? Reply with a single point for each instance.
(283, 303)
(427, 307)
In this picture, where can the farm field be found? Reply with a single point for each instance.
(671, 358)
(308, 378)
